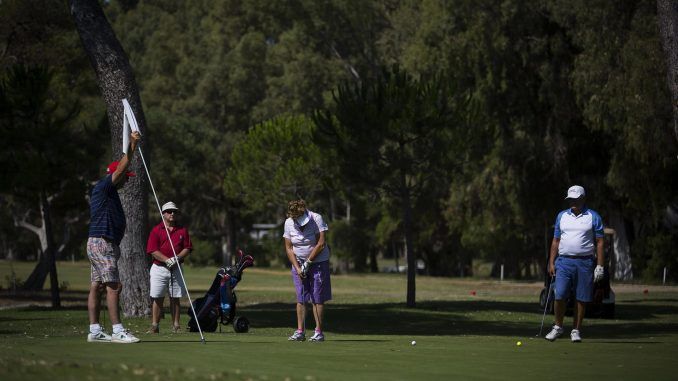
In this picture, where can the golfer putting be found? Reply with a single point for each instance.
(309, 256)
(578, 245)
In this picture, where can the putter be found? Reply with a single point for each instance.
(546, 306)
(303, 301)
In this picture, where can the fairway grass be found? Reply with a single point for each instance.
(464, 329)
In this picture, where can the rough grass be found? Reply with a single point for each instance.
(459, 335)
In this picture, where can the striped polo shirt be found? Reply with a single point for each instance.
(107, 218)
(578, 233)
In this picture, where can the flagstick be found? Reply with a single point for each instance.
(195, 315)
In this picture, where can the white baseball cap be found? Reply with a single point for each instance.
(575, 192)
(169, 206)
(303, 219)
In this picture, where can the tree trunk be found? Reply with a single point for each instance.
(47, 263)
(667, 16)
(622, 269)
(50, 253)
(409, 253)
(117, 82)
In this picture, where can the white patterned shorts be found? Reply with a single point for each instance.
(103, 257)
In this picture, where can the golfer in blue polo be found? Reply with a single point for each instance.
(577, 246)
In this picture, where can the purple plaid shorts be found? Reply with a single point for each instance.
(317, 286)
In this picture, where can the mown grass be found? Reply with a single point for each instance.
(459, 335)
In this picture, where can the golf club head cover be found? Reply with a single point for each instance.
(598, 273)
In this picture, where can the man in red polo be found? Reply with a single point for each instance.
(165, 275)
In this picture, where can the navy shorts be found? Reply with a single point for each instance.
(574, 274)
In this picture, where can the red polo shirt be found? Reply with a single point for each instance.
(157, 241)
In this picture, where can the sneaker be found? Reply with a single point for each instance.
(124, 337)
(297, 336)
(574, 335)
(153, 329)
(101, 337)
(317, 336)
(554, 334)
(176, 329)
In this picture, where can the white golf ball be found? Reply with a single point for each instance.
(414, 342)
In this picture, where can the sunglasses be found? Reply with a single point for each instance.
(172, 211)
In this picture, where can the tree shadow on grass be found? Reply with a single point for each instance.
(481, 318)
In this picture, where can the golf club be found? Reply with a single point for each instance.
(546, 305)
(303, 300)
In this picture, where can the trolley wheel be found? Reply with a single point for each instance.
(241, 324)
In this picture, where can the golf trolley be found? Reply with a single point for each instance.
(219, 303)
(602, 305)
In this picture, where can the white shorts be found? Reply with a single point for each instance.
(162, 281)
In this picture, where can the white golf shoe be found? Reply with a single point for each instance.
(554, 334)
(574, 335)
(297, 336)
(317, 336)
(124, 337)
(101, 337)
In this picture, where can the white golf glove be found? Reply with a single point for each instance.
(598, 273)
(170, 262)
(305, 267)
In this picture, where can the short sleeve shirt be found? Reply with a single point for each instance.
(157, 241)
(578, 233)
(107, 218)
(303, 238)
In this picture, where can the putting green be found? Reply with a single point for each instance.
(369, 332)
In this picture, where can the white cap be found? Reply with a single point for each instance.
(575, 192)
(169, 206)
(303, 219)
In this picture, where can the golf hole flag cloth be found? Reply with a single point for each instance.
(129, 122)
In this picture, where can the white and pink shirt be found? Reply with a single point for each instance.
(303, 238)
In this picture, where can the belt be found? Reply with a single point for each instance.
(578, 256)
(104, 238)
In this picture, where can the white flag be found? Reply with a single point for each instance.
(129, 121)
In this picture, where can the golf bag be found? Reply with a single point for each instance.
(219, 303)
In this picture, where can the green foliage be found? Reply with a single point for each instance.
(349, 242)
(276, 162)
(203, 254)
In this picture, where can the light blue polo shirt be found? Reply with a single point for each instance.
(578, 233)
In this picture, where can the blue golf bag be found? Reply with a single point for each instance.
(219, 303)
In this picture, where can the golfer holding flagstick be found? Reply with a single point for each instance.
(309, 256)
(106, 229)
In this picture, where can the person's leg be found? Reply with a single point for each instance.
(94, 302)
(156, 310)
(299, 334)
(301, 316)
(112, 301)
(579, 314)
(559, 307)
(563, 284)
(175, 309)
(584, 282)
(320, 293)
(176, 291)
(318, 315)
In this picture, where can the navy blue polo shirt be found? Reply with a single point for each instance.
(107, 219)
